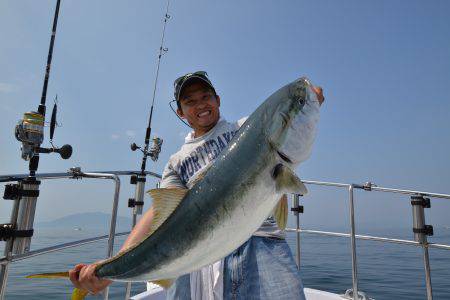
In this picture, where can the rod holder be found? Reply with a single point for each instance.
(420, 229)
(137, 203)
(28, 191)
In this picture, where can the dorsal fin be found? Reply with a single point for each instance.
(165, 201)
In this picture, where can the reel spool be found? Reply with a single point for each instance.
(30, 131)
(156, 148)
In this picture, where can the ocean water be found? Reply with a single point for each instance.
(386, 271)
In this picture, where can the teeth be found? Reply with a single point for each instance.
(205, 113)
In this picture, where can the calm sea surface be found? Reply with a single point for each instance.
(386, 271)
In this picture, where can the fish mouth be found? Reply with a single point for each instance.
(299, 90)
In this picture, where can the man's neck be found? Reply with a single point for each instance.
(202, 131)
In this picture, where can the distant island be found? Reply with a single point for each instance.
(91, 220)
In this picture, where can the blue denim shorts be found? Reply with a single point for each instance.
(262, 268)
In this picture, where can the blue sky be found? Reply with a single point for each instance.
(384, 66)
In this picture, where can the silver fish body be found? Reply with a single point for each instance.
(237, 193)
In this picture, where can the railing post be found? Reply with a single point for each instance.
(112, 225)
(421, 231)
(8, 252)
(297, 209)
(353, 244)
(137, 203)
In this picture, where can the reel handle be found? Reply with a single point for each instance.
(65, 151)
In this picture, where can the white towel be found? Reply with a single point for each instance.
(207, 283)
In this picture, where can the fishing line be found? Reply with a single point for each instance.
(156, 147)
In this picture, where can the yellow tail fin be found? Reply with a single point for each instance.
(50, 275)
(77, 294)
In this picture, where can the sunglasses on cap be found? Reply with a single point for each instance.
(180, 81)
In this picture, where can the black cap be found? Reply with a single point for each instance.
(182, 82)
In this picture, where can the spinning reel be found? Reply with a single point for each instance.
(154, 151)
(30, 131)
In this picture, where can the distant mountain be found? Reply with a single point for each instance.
(95, 220)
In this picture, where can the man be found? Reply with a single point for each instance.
(263, 267)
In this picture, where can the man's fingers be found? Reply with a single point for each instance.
(74, 275)
(319, 92)
(83, 277)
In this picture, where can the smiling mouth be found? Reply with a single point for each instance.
(204, 113)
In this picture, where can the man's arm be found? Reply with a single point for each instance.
(83, 276)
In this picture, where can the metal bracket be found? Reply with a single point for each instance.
(427, 230)
(11, 192)
(368, 186)
(7, 231)
(421, 200)
(15, 192)
(76, 172)
(299, 209)
(134, 179)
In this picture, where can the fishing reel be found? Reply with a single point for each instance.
(30, 131)
(154, 151)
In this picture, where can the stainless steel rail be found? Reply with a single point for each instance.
(8, 258)
(368, 186)
(369, 238)
(59, 247)
(74, 173)
(17, 177)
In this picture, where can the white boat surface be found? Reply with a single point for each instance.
(155, 292)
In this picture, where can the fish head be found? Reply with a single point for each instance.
(293, 115)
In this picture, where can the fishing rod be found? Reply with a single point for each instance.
(137, 203)
(147, 151)
(30, 132)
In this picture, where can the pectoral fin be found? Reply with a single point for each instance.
(280, 212)
(287, 181)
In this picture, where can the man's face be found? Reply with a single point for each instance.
(200, 107)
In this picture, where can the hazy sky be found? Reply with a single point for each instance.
(384, 66)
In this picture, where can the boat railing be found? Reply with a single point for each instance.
(74, 173)
(419, 201)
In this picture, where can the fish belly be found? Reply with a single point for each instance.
(234, 228)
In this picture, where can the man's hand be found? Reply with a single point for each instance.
(83, 277)
(319, 92)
